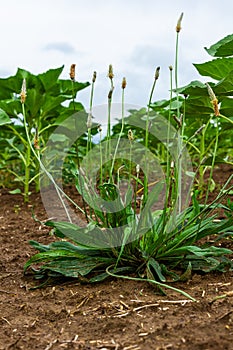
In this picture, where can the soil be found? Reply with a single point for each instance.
(115, 314)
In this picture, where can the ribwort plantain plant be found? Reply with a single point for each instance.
(126, 237)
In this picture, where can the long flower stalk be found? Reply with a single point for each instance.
(179, 136)
(156, 77)
(123, 85)
(110, 76)
(23, 96)
(89, 118)
(214, 102)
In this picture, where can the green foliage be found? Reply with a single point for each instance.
(223, 48)
(44, 107)
(159, 254)
(121, 238)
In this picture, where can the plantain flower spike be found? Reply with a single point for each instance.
(36, 143)
(72, 71)
(130, 135)
(178, 26)
(94, 77)
(157, 73)
(23, 93)
(110, 72)
(123, 84)
(36, 140)
(213, 100)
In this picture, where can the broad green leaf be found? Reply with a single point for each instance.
(49, 79)
(222, 48)
(216, 69)
(4, 118)
(195, 88)
(225, 86)
(12, 107)
(227, 107)
(198, 107)
(157, 105)
(67, 87)
(34, 101)
(50, 103)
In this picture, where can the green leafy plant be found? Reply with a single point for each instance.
(128, 241)
(43, 109)
(199, 108)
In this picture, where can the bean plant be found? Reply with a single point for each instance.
(43, 98)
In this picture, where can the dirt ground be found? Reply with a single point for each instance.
(115, 314)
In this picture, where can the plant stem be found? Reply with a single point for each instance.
(27, 159)
(27, 174)
(108, 148)
(180, 137)
(168, 161)
(121, 132)
(145, 194)
(213, 160)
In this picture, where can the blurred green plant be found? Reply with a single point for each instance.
(49, 101)
(199, 113)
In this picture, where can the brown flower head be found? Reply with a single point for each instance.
(157, 73)
(110, 72)
(94, 76)
(23, 93)
(130, 135)
(213, 100)
(123, 84)
(178, 26)
(72, 71)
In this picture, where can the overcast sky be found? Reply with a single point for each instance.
(135, 36)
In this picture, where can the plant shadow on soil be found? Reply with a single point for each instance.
(115, 314)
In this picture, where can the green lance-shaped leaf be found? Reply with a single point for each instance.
(76, 267)
(67, 263)
(155, 269)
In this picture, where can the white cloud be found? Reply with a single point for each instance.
(63, 47)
